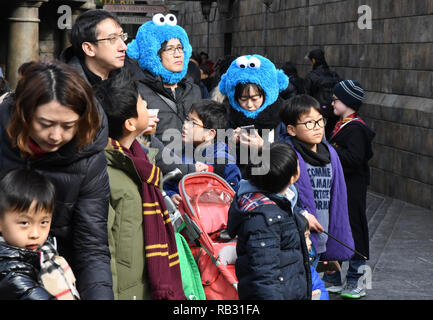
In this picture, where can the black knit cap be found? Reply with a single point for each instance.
(350, 92)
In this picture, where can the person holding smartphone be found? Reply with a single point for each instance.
(252, 85)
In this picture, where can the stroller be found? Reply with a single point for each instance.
(206, 199)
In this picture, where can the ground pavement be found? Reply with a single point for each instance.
(401, 250)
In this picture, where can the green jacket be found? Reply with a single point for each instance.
(125, 228)
(125, 234)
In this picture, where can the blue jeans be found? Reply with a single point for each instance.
(352, 275)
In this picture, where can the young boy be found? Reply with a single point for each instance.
(144, 257)
(199, 135)
(322, 189)
(272, 261)
(30, 267)
(352, 139)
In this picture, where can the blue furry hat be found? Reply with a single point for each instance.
(253, 69)
(148, 41)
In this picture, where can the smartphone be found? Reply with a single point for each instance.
(247, 129)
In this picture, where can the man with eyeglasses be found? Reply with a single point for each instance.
(98, 52)
(162, 51)
(98, 46)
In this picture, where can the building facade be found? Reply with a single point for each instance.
(385, 44)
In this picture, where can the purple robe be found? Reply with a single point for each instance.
(339, 225)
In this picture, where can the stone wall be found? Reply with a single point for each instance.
(393, 61)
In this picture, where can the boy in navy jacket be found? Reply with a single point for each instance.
(199, 133)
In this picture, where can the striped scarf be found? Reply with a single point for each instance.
(342, 122)
(162, 259)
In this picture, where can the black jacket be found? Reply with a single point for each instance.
(19, 274)
(273, 262)
(81, 210)
(152, 90)
(267, 119)
(353, 145)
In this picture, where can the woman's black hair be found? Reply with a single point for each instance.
(319, 56)
(283, 165)
(245, 87)
(293, 108)
(20, 187)
(118, 96)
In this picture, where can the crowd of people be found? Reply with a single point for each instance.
(82, 211)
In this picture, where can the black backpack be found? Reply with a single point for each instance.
(323, 93)
(323, 87)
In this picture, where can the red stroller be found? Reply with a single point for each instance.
(206, 199)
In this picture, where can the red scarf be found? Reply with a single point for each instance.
(162, 258)
(37, 151)
(352, 117)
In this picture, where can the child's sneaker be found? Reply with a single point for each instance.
(333, 288)
(352, 291)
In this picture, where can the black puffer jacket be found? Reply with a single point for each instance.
(151, 89)
(19, 274)
(272, 261)
(81, 211)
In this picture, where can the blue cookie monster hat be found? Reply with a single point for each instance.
(150, 36)
(253, 69)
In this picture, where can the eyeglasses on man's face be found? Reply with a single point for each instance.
(172, 50)
(310, 125)
(115, 38)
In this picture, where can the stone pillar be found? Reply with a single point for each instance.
(83, 6)
(23, 37)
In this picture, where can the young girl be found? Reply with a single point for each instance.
(252, 85)
(272, 261)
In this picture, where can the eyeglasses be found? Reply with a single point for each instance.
(310, 125)
(172, 50)
(192, 123)
(113, 40)
(334, 99)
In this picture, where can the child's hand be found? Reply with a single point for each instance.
(314, 224)
(151, 127)
(252, 139)
(316, 294)
(176, 199)
(201, 167)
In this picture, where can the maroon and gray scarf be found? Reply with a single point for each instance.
(162, 259)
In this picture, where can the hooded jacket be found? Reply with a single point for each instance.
(81, 209)
(273, 262)
(125, 228)
(19, 274)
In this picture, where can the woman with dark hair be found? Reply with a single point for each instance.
(162, 52)
(319, 83)
(252, 85)
(296, 83)
(52, 125)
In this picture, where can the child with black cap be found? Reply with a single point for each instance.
(352, 140)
